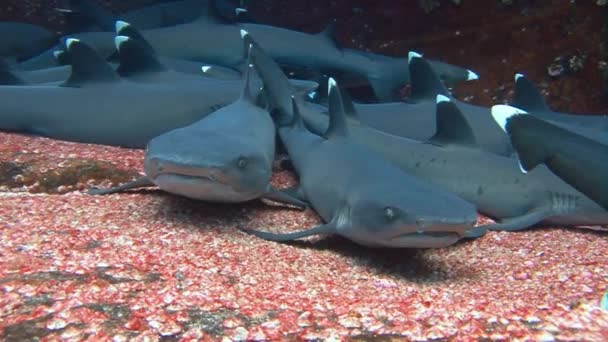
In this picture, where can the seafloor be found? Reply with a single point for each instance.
(151, 266)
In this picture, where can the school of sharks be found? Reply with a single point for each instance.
(211, 96)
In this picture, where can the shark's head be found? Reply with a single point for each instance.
(391, 217)
(207, 166)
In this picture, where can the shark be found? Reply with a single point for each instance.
(452, 160)
(528, 98)
(576, 159)
(96, 105)
(364, 198)
(224, 157)
(218, 42)
(20, 41)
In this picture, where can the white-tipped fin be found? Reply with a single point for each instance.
(518, 76)
(239, 10)
(312, 95)
(331, 83)
(71, 41)
(471, 76)
(501, 113)
(119, 40)
(413, 54)
(521, 167)
(58, 53)
(205, 68)
(244, 33)
(119, 25)
(442, 98)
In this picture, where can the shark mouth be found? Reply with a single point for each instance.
(205, 188)
(425, 240)
(199, 183)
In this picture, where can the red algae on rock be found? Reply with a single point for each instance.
(151, 265)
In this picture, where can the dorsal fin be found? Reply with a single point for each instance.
(527, 96)
(425, 82)
(296, 119)
(61, 57)
(329, 33)
(246, 91)
(8, 76)
(276, 85)
(87, 65)
(135, 58)
(452, 126)
(337, 118)
(348, 105)
(123, 28)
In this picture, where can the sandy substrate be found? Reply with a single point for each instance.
(152, 265)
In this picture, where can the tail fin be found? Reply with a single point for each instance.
(527, 95)
(511, 119)
(322, 229)
(425, 82)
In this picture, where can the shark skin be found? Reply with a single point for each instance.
(20, 41)
(95, 17)
(234, 166)
(415, 119)
(364, 197)
(528, 98)
(578, 160)
(218, 42)
(453, 161)
(129, 114)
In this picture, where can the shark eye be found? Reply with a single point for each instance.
(242, 162)
(389, 213)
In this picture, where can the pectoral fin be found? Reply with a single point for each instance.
(515, 223)
(329, 228)
(291, 196)
(138, 183)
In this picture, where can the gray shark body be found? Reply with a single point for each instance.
(219, 43)
(528, 98)
(453, 161)
(22, 40)
(96, 106)
(96, 18)
(357, 193)
(415, 119)
(225, 157)
(578, 160)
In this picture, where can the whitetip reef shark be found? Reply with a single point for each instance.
(218, 42)
(96, 105)
(453, 160)
(363, 197)
(578, 160)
